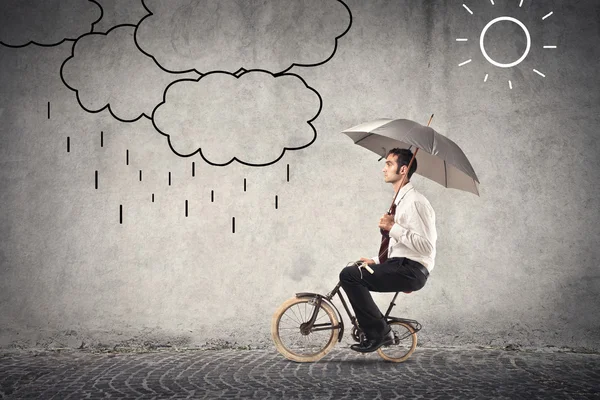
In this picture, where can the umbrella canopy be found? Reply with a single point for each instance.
(438, 158)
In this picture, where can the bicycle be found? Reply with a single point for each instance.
(304, 325)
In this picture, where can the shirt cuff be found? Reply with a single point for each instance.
(376, 259)
(397, 231)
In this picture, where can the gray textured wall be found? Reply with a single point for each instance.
(518, 265)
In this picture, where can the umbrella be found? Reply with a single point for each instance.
(440, 159)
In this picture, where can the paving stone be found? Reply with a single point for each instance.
(264, 374)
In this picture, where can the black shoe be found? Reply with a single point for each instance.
(370, 345)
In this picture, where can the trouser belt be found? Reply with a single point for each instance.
(418, 265)
(422, 268)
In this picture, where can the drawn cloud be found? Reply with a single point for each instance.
(252, 118)
(108, 70)
(226, 35)
(46, 22)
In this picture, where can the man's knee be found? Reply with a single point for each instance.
(348, 274)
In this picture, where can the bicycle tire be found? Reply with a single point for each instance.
(294, 354)
(405, 343)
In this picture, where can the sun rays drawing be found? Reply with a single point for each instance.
(485, 54)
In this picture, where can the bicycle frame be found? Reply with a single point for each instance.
(318, 298)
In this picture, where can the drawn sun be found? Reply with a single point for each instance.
(494, 62)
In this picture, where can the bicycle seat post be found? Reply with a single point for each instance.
(392, 304)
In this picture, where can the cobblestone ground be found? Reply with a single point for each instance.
(264, 374)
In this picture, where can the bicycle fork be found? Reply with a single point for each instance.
(311, 326)
(308, 326)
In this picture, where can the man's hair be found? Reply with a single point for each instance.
(404, 157)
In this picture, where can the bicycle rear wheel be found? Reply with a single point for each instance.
(405, 342)
(293, 340)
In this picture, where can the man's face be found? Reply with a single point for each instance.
(389, 170)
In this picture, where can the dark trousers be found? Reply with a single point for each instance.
(397, 274)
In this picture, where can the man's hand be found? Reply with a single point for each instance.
(386, 222)
(368, 261)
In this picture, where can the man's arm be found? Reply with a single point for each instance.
(422, 219)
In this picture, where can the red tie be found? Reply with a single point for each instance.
(385, 239)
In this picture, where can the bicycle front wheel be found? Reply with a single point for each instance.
(405, 342)
(291, 336)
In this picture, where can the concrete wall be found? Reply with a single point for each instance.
(518, 265)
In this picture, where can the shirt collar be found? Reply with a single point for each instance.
(403, 191)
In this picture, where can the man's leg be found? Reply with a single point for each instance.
(358, 290)
(394, 275)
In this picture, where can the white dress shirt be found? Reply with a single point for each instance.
(413, 234)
